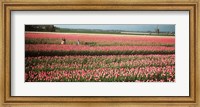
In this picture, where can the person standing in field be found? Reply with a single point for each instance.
(78, 42)
(63, 41)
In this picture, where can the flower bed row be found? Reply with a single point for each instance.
(103, 38)
(122, 68)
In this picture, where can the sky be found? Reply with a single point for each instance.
(127, 27)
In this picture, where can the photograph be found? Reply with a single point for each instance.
(99, 53)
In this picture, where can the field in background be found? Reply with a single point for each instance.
(99, 57)
(116, 32)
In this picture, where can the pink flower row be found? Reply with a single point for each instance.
(76, 62)
(145, 74)
(104, 38)
(52, 47)
(140, 68)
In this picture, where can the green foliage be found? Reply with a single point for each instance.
(70, 42)
(40, 28)
(114, 52)
(90, 43)
(65, 30)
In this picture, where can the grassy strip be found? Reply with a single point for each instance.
(42, 41)
(88, 67)
(90, 59)
(63, 30)
(64, 53)
(69, 42)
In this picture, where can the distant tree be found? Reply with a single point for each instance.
(44, 28)
(30, 27)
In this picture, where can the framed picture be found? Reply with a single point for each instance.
(100, 53)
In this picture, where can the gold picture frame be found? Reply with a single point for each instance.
(6, 100)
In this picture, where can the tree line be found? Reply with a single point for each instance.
(43, 28)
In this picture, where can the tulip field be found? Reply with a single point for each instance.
(99, 58)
